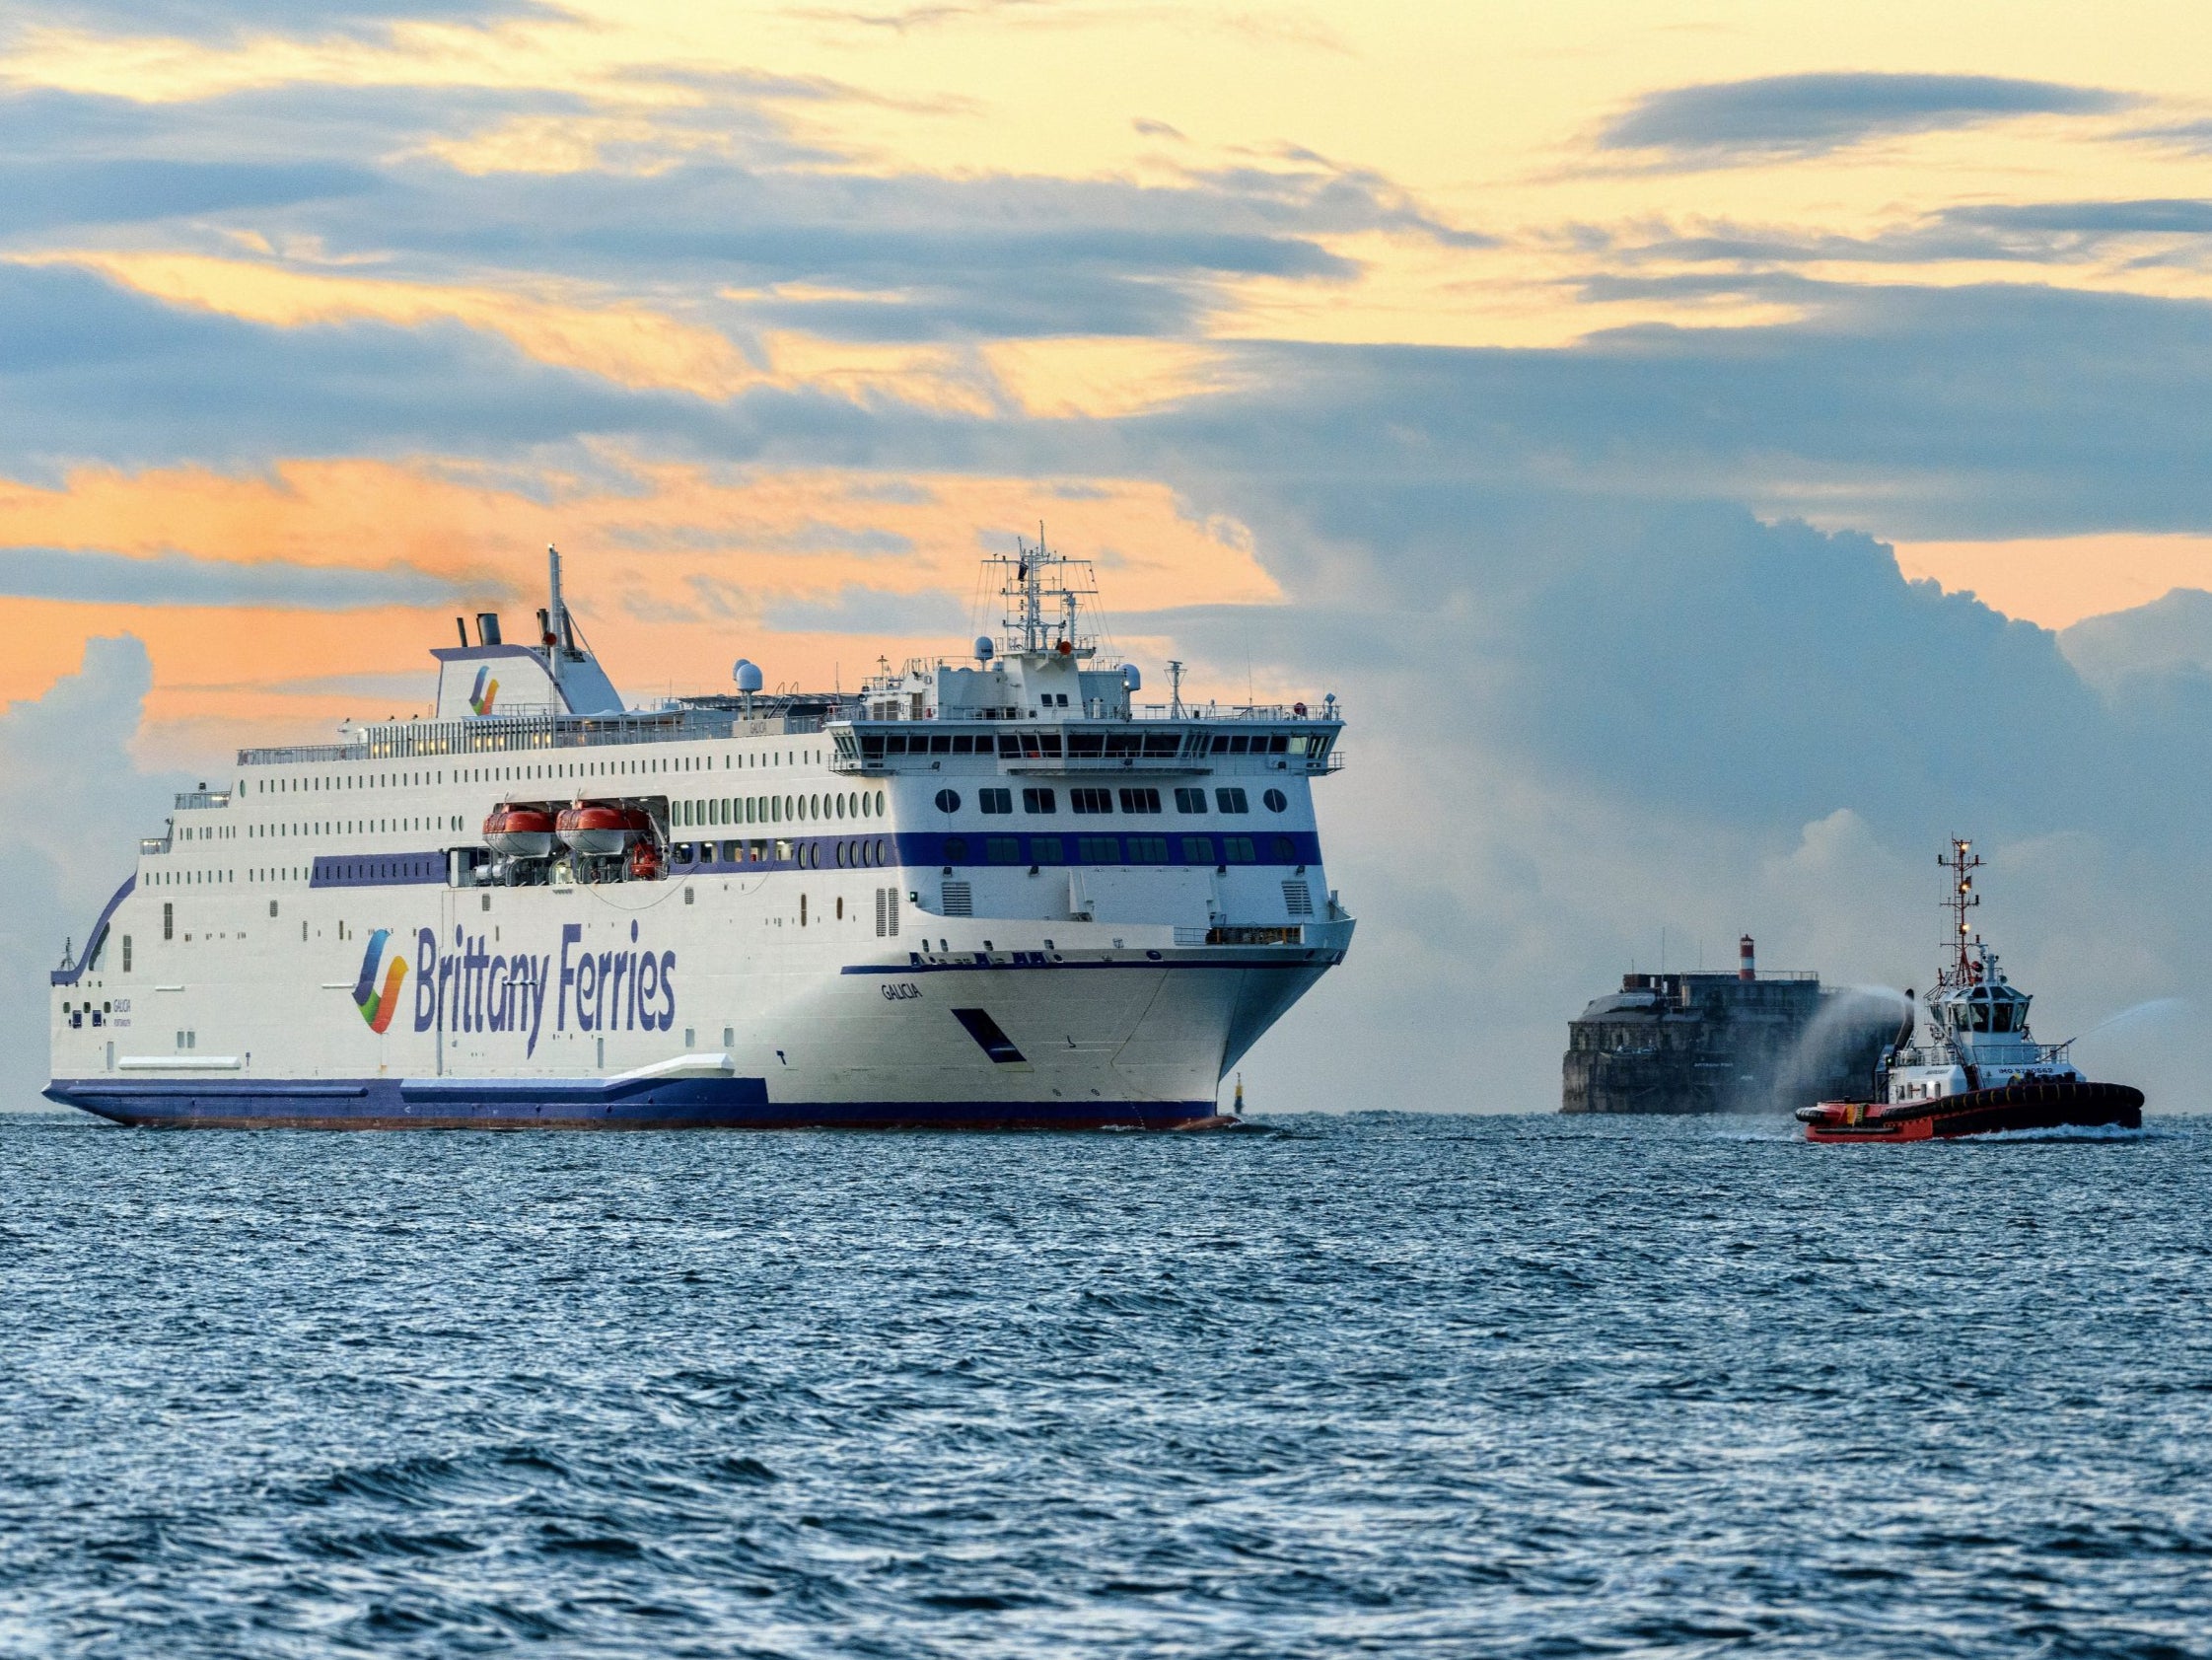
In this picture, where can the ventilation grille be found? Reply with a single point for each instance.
(1298, 899)
(959, 900)
(886, 913)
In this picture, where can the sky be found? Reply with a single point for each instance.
(1715, 452)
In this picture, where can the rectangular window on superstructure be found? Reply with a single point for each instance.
(1046, 850)
(1190, 801)
(1148, 849)
(1091, 801)
(169, 919)
(1002, 849)
(1139, 800)
(1232, 801)
(1238, 850)
(1098, 850)
(1039, 801)
(995, 801)
(1198, 850)
(127, 954)
(1286, 850)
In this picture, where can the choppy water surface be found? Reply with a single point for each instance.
(1446, 1386)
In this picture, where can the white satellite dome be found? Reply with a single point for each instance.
(748, 674)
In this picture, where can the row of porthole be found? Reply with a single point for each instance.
(770, 809)
(845, 855)
(949, 801)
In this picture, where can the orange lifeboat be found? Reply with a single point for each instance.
(520, 833)
(602, 829)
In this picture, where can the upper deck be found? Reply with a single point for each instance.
(1044, 700)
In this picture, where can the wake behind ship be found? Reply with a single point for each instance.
(994, 894)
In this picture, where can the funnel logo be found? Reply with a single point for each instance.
(487, 688)
(377, 1006)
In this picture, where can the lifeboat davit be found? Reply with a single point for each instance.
(520, 833)
(602, 829)
(2054, 1103)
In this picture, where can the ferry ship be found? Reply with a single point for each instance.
(1981, 1071)
(996, 892)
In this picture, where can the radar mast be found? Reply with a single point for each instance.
(1034, 581)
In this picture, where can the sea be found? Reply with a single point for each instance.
(1380, 1383)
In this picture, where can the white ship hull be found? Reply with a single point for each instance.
(625, 1007)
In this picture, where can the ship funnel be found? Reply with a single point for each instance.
(1746, 962)
(556, 612)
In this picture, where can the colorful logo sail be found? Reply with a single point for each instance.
(485, 690)
(376, 1006)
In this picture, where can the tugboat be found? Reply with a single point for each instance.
(1980, 1071)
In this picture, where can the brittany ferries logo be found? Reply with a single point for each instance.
(485, 690)
(378, 1007)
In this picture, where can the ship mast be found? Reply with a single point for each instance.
(1040, 575)
(1961, 862)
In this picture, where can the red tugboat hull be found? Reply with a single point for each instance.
(1981, 1111)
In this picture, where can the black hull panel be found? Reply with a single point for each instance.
(1986, 1111)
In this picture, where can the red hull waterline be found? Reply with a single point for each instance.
(1981, 1111)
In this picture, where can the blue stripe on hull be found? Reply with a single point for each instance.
(573, 1103)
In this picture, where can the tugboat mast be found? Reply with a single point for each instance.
(1962, 862)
